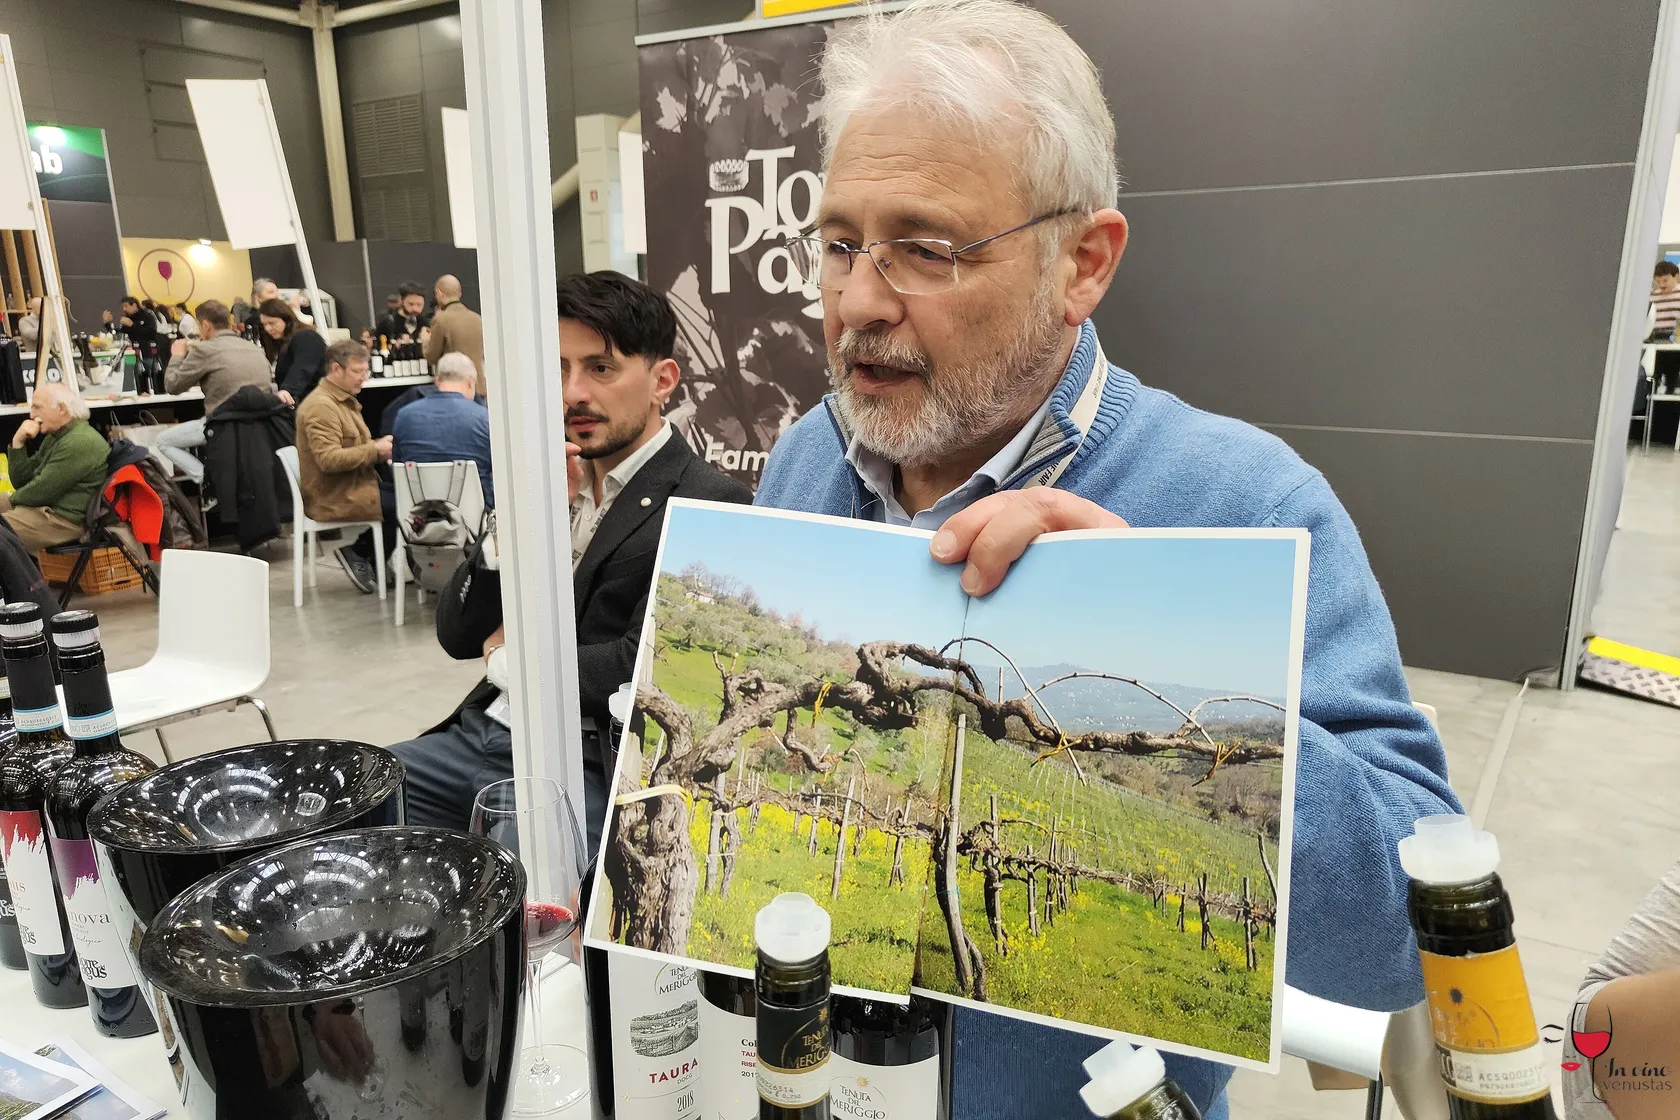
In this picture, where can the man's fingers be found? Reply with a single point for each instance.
(956, 536)
(992, 533)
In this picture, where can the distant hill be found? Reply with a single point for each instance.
(1089, 704)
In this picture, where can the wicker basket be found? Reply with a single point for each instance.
(106, 570)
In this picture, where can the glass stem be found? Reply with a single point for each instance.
(533, 971)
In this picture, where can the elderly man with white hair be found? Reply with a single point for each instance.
(967, 231)
(53, 484)
(448, 424)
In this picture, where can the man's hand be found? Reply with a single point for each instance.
(27, 431)
(384, 445)
(992, 533)
(285, 398)
(425, 335)
(574, 471)
(127, 322)
(495, 641)
(178, 348)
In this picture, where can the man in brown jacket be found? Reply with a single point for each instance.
(337, 456)
(455, 326)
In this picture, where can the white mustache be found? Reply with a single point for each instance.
(858, 348)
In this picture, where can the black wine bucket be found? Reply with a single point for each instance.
(368, 973)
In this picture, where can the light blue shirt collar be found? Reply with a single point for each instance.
(878, 476)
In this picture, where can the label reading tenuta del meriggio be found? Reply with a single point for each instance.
(656, 1038)
(859, 1091)
(793, 1051)
(728, 1061)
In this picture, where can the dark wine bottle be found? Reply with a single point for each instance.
(890, 1061)
(25, 772)
(1491, 1057)
(11, 941)
(101, 764)
(1128, 1084)
(728, 1048)
(792, 988)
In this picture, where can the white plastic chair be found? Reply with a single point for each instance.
(306, 540)
(434, 483)
(212, 651)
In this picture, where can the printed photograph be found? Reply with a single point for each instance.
(112, 1100)
(1120, 789)
(785, 742)
(33, 1088)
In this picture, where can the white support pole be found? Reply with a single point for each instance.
(317, 305)
(507, 106)
(322, 17)
(52, 304)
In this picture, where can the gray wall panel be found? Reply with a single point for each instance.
(1467, 304)
(1471, 539)
(1221, 94)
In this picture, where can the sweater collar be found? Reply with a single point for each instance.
(1070, 417)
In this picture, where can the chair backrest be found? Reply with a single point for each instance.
(434, 483)
(289, 460)
(213, 607)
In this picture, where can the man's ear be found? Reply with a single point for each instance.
(666, 374)
(1096, 254)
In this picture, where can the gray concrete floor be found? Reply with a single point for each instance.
(1583, 804)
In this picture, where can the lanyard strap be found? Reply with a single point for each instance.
(1084, 411)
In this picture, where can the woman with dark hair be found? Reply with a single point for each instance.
(298, 351)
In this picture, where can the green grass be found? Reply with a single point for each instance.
(1112, 961)
(874, 925)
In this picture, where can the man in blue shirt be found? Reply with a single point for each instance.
(447, 425)
(966, 233)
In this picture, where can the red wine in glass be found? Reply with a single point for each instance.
(546, 925)
(1592, 1043)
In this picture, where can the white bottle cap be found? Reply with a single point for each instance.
(1121, 1075)
(1446, 848)
(792, 929)
(622, 702)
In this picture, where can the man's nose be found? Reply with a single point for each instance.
(868, 300)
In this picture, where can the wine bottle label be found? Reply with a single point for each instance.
(864, 1092)
(1484, 1026)
(23, 846)
(729, 1057)
(5, 688)
(38, 719)
(656, 1038)
(91, 727)
(104, 964)
(8, 910)
(793, 1045)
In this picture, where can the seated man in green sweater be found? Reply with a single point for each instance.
(53, 486)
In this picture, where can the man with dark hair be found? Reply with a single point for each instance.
(1665, 299)
(337, 457)
(624, 462)
(221, 363)
(410, 317)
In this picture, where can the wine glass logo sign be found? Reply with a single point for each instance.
(1590, 1044)
(166, 276)
(771, 217)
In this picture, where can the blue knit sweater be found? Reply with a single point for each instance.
(1369, 764)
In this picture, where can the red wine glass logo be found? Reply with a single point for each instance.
(1590, 1044)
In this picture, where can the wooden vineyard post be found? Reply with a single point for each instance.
(1202, 910)
(1184, 889)
(816, 822)
(1050, 877)
(715, 839)
(752, 814)
(896, 875)
(1032, 894)
(1266, 866)
(840, 843)
(994, 884)
(1248, 928)
(950, 897)
(731, 844)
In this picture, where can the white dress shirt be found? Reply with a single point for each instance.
(587, 515)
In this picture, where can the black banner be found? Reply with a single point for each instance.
(732, 166)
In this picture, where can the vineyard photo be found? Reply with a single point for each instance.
(1083, 780)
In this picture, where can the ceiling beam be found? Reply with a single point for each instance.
(379, 9)
(254, 10)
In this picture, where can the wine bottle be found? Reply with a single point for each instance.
(1491, 1058)
(101, 764)
(25, 772)
(791, 993)
(1128, 1084)
(376, 363)
(890, 1061)
(728, 1048)
(656, 1023)
(11, 942)
(597, 991)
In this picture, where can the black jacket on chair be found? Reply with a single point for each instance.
(240, 467)
(610, 585)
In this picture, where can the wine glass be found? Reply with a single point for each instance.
(532, 817)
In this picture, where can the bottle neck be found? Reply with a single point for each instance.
(34, 700)
(90, 717)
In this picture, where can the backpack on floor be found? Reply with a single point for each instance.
(435, 534)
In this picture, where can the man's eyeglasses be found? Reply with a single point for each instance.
(914, 266)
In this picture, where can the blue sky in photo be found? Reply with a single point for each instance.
(852, 586)
(1192, 611)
